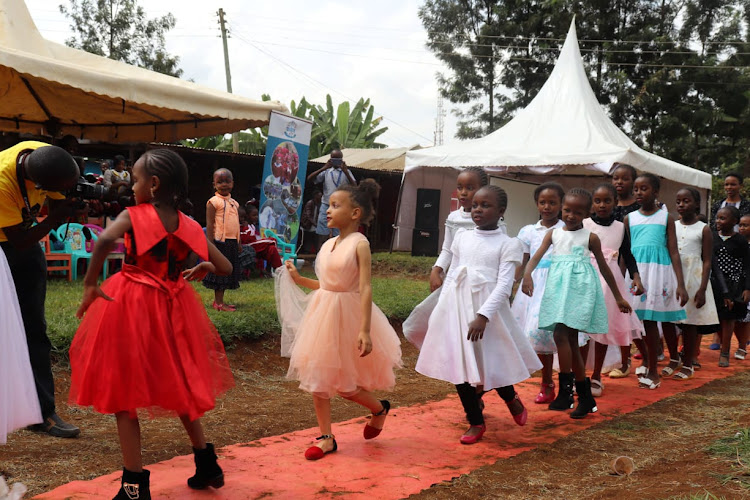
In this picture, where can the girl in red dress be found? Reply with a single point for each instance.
(145, 340)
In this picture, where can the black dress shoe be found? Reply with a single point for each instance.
(57, 427)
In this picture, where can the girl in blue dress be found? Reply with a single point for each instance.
(653, 241)
(573, 300)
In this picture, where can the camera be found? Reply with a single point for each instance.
(85, 190)
(336, 162)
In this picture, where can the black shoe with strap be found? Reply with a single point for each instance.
(586, 401)
(564, 400)
(207, 470)
(134, 485)
(55, 426)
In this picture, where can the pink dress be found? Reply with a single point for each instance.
(623, 328)
(324, 355)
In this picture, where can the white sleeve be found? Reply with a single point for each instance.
(511, 258)
(444, 259)
(107, 178)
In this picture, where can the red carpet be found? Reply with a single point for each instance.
(418, 447)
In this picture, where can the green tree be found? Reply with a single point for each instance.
(120, 30)
(342, 127)
(672, 73)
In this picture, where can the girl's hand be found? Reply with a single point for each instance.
(527, 286)
(700, 298)
(364, 344)
(436, 280)
(729, 304)
(90, 294)
(198, 272)
(624, 306)
(637, 288)
(292, 269)
(682, 295)
(746, 296)
(476, 328)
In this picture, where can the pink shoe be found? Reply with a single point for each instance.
(523, 416)
(546, 394)
(471, 439)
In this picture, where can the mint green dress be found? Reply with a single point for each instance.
(573, 294)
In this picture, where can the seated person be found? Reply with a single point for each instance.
(264, 248)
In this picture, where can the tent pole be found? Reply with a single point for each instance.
(398, 211)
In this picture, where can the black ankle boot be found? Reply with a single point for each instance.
(564, 400)
(586, 402)
(207, 471)
(134, 486)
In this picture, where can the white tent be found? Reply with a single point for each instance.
(52, 89)
(564, 135)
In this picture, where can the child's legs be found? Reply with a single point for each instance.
(727, 327)
(547, 361)
(194, 429)
(670, 336)
(652, 348)
(600, 352)
(323, 413)
(689, 339)
(564, 354)
(579, 365)
(741, 332)
(366, 399)
(470, 401)
(219, 296)
(129, 432)
(625, 355)
(585, 350)
(640, 344)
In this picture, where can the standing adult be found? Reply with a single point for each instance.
(309, 222)
(333, 174)
(732, 186)
(31, 173)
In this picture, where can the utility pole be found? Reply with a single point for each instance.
(235, 136)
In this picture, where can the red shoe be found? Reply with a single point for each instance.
(521, 417)
(546, 394)
(471, 439)
(371, 432)
(638, 355)
(315, 453)
(224, 307)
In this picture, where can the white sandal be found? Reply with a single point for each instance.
(597, 388)
(740, 354)
(668, 371)
(641, 370)
(647, 383)
(681, 375)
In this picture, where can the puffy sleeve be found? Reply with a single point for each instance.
(524, 237)
(511, 257)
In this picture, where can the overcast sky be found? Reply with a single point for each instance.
(350, 49)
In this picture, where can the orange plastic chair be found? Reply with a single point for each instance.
(57, 261)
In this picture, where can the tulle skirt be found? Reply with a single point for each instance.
(152, 347)
(324, 354)
(19, 404)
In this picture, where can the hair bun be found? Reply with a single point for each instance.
(369, 187)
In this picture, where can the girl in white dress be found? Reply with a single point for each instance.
(19, 405)
(472, 340)
(469, 181)
(548, 198)
(695, 244)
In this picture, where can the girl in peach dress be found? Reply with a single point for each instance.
(343, 344)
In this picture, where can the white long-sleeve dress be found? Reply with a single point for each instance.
(479, 281)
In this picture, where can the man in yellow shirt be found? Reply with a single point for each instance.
(31, 173)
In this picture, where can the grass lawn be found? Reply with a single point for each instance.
(256, 315)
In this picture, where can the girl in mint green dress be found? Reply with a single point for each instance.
(573, 300)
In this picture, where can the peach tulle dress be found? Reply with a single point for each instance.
(324, 355)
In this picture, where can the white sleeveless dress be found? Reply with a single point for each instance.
(690, 246)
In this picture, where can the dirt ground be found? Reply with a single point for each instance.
(263, 404)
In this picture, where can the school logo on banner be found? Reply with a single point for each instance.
(284, 172)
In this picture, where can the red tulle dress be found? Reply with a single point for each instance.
(153, 346)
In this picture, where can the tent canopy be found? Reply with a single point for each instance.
(384, 159)
(563, 130)
(52, 89)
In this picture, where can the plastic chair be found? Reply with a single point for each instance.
(118, 253)
(287, 250)
(73, 236)
(56, 261)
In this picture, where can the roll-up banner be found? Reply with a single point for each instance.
(284, 172)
